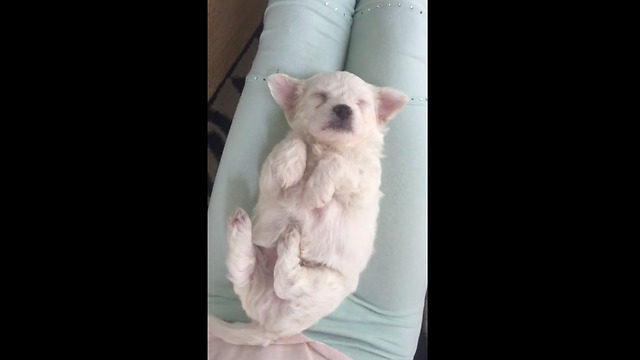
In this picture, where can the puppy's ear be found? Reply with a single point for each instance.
(284, 90)
(388, 103)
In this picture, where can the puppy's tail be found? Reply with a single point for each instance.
(241, 333)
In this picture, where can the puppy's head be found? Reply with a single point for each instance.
(335, 108)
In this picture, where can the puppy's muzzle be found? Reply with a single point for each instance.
(342, 118)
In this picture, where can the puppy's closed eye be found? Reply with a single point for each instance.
(321, 96)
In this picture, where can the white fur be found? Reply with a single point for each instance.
(314, 225)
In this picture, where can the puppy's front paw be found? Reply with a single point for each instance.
(318, 197)
(288, 174)
(288, 167)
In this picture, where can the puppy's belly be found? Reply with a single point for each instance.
(344, 227)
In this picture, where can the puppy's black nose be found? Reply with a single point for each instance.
(342, 111)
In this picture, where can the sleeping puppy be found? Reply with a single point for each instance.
(314, 224)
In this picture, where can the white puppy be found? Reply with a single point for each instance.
(315, 220)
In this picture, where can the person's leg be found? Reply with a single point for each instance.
(299, 38)
(395, 37)
(388, 48)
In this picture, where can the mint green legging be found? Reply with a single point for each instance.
(385, 44)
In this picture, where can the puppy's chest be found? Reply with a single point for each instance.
(344, 175)
(312, 164)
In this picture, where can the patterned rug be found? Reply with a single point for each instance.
(222, 106)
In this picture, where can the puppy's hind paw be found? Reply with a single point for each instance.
(290, 244)
(239, 220)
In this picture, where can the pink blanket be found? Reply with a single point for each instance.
(297, 347)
